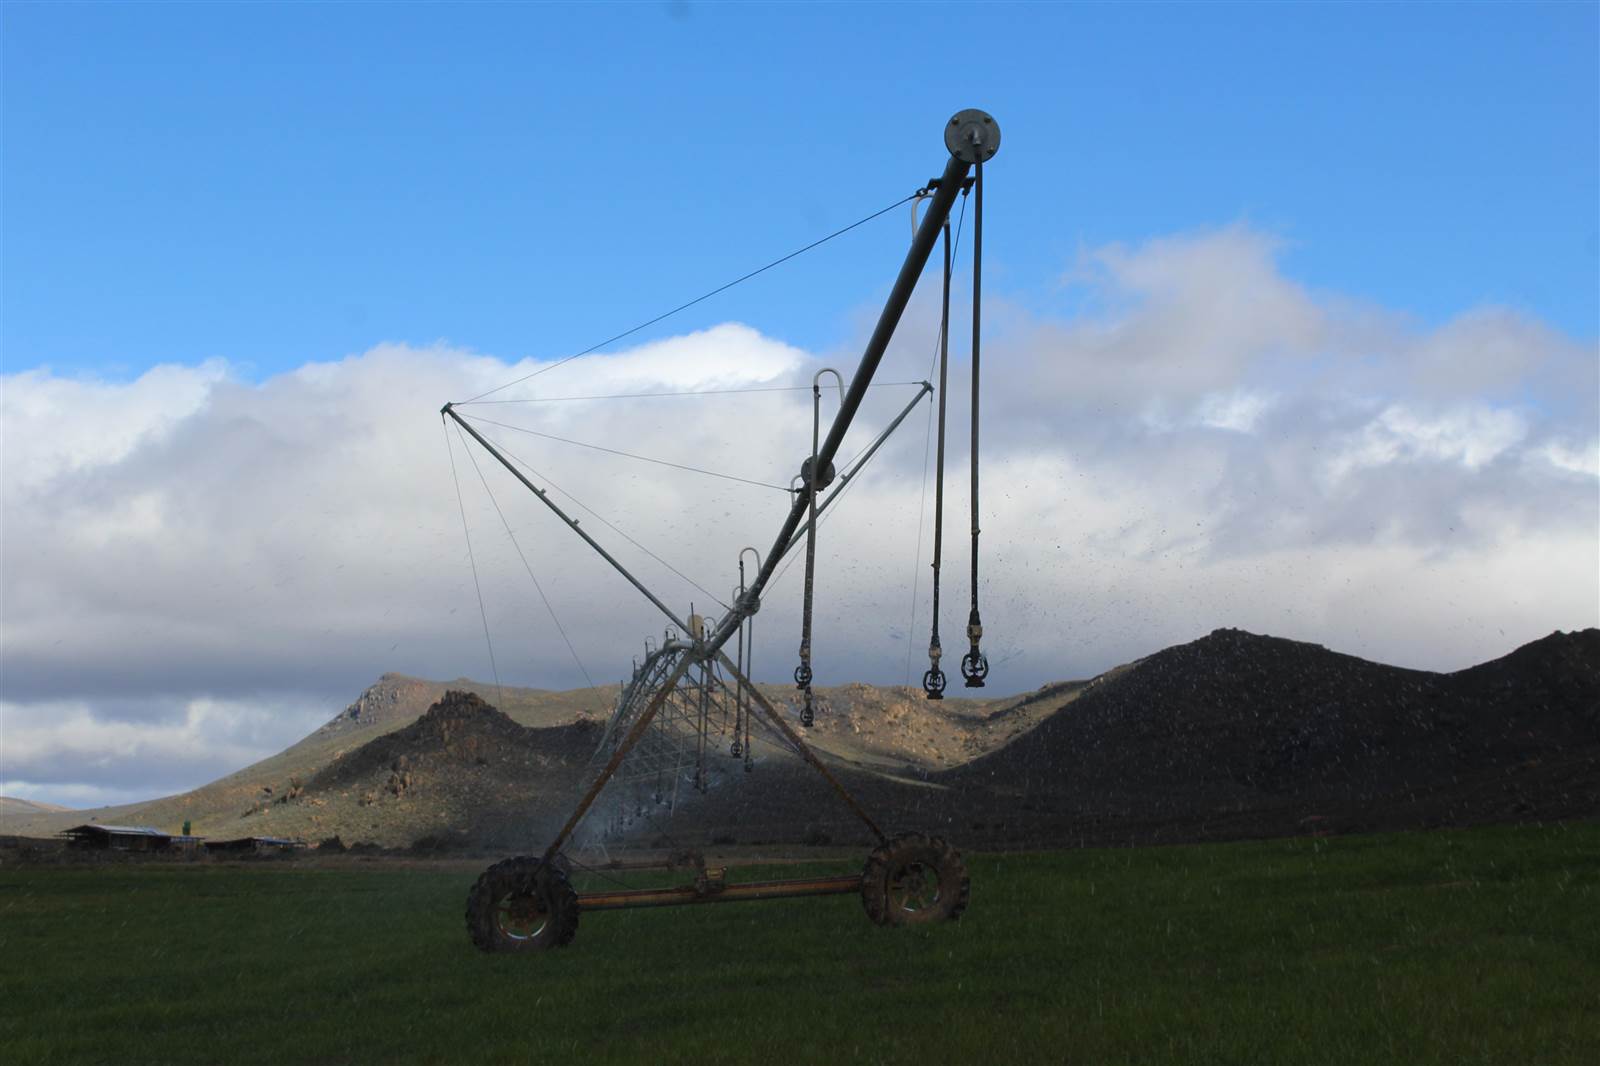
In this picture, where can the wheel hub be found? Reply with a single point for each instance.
(915, 887)
(521, 917)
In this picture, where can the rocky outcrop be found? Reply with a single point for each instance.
(460, 732)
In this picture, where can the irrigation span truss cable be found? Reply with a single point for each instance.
(698, 299)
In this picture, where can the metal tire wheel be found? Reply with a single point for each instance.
(522, 904)
(914, 879)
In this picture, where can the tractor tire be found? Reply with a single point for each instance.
(914, 879)
(522, 904)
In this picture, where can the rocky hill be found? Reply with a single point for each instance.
(246, 801)
(397, 700)
(1230, 735)
(462, 773)
(898, 728)
(882, 729)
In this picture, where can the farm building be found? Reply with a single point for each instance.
(128, 838)
(254, 845)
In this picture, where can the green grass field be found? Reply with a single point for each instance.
(1449, 947)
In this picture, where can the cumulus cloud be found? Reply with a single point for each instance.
(1204, 442)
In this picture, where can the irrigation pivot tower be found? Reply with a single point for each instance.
(528, 903)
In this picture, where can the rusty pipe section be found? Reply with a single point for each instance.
(713, 888)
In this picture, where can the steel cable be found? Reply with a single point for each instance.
(525, 564)
(482, 613)
(628, 455)
(602, 519)
(691, 303)
(683, 392)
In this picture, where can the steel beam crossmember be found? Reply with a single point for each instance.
(718, 892)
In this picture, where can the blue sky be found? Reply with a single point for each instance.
(277, 184)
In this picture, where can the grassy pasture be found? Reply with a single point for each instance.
(1451, 947)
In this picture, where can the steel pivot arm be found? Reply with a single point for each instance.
(971, 137)
(968, 139)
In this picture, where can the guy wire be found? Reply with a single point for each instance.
(683, 392)
(525, 564)
(545, 478)
(628, 455)
(697, 299)
(461, 504)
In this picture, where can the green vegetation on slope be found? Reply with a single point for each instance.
(1462, 946)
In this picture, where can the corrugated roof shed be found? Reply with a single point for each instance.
(121, 837)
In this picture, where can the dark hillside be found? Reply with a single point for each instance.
(462, 773)
(460, 732)
(1238, 734)
(1544, 691)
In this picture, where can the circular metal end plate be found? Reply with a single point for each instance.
(972, 136)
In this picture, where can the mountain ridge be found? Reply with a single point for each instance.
(1231, 734)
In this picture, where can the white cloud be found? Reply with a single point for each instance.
(77, 752)
(1469, 434)
(1576, 460)
(1238, 410)
(82, 422)
(1212, 445)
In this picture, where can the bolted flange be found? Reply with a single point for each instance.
(823, 481)
(972, 136)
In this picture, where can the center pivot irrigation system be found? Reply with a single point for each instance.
(529, 903)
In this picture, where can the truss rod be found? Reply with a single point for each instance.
(634, 734)
(802, 748)
(861, 461)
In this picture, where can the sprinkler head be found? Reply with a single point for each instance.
(974, 667)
